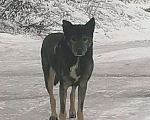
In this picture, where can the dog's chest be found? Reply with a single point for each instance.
(74, 71)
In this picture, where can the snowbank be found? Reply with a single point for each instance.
(125, 54)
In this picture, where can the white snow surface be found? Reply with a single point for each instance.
(126, 54)
(125, 34)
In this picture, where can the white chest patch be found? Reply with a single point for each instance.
(73, 71)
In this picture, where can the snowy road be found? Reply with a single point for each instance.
(118, 90)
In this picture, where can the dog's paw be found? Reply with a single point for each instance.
(53, 118)
(73, 115)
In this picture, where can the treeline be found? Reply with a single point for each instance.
(134, 1)
(23, 16)
(42, 16)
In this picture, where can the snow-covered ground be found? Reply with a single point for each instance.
(125, 34)
(119, 88)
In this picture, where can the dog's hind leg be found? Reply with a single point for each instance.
(72, 111)
(52, 99)
(49, 75)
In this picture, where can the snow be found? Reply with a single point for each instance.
(147, 118)
(74, 15)
(14, 38)
(138, 28)
(125, 109)
(126, 34)
(125, 54)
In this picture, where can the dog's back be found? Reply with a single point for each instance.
(48, 48)
(50, 42)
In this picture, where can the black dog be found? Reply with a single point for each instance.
(68, 58)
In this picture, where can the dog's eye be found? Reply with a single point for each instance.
(85, 39)
(73, 39)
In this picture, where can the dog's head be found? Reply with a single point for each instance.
(79, 37)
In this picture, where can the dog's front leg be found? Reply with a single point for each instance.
(72, 111)
(63, 95)
(81, 96)
(64, 84)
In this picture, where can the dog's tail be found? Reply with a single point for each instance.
(56, 80)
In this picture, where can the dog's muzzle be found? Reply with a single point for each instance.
(79, 52)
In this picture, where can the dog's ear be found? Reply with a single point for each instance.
(90, 25)
(66, 26)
